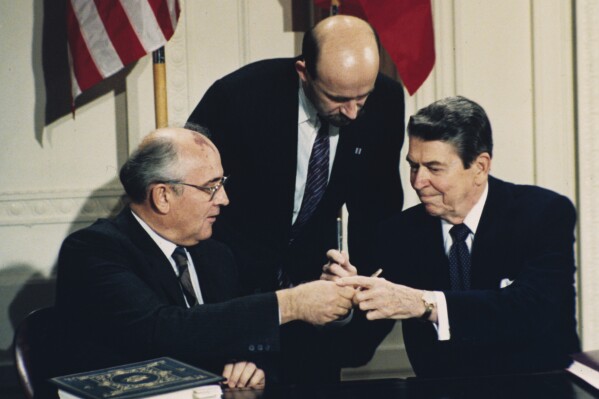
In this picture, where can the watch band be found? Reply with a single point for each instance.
(429, 305)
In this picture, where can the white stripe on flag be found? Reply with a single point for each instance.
(94, 33)
(172, 9)
(75, 89)
(144, 24)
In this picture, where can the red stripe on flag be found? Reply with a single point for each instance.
(163, 16)
(84, 68)
(118, 27)
(177, 9)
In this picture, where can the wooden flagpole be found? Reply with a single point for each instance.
(160, 104)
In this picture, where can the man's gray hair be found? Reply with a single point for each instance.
(155, 161)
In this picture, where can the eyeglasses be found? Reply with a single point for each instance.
(211, 190)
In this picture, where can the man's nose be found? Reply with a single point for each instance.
(221, 197)
(350, 109)
(419, 179)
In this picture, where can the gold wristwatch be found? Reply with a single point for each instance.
(428, 299)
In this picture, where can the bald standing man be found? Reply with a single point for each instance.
(123, 295)
(299, 138)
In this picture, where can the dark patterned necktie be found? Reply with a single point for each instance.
(316, 180)
(459, 258)
(180, 258)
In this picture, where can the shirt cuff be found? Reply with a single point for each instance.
(343, 320)
(442, 324)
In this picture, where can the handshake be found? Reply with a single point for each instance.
(322, 301)
(340, 288)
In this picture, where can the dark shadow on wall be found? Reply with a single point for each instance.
(51, 68)
(33, 290)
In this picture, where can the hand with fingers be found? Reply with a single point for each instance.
(317, 302)
(382, 299)
(337, 266)
(244, 375)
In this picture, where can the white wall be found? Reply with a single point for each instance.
(514, 57)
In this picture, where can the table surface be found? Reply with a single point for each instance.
(559, 385)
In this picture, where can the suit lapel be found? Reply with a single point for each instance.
(284, 137)
(159, 268)
(434, 270)
(203, 271)
(490, 234)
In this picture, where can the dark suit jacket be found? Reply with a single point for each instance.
(121, 302)
(252, 115)
(526, 234)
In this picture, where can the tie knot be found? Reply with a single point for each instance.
(459, 232)
(180, 258)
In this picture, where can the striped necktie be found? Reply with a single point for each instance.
(180, 258)
(316, 180)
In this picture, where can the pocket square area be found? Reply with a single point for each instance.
(505, 282)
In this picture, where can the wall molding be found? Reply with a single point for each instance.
(29, 208)
(587, 86)
(177, 75)
(243, 32)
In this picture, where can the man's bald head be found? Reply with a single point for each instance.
(340, 40)
(339, 67)
(163, 156)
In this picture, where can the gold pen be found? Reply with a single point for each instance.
(377, 273)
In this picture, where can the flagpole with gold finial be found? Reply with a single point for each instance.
(160, 104)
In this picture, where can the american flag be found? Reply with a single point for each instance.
(106, 35)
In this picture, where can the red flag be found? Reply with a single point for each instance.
(405, 28)
(106, 35)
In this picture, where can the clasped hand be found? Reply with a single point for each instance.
(379, 298)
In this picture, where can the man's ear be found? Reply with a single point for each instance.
(482, 163)
(160, 198)
(300, 68)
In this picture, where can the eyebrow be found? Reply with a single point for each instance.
(427, 164)
(213, 180)
(342, 99)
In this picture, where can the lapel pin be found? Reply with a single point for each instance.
(358, 151)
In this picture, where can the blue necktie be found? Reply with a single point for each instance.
(459, 258)
(316, 180)
(180, 258)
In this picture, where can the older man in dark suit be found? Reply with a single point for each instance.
(482, 271)
(300, 138)
(152, 283)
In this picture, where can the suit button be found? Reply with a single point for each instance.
(251, 348)
(260, 348)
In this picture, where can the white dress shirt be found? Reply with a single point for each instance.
(471, 220)
(167, 248)
(308, 124)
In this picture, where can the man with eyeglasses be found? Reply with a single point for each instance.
(152, 283)
(301, 137)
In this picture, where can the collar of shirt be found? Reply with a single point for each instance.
(307, 112)
(167, 247)
(471, 220)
